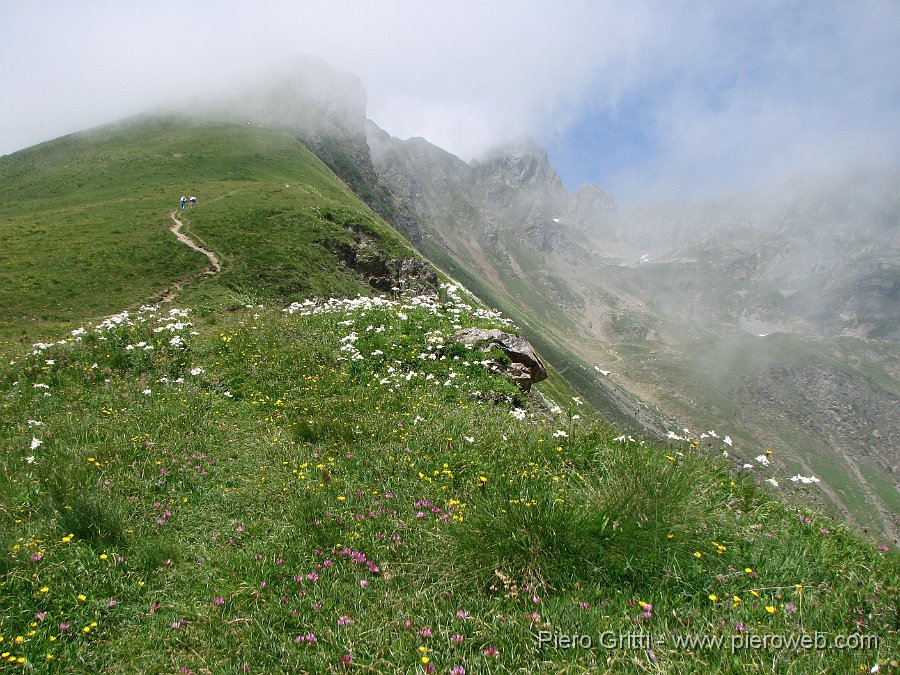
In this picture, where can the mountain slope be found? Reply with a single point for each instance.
(280, 475)
(677, 301)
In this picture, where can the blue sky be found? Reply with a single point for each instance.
(667, 99)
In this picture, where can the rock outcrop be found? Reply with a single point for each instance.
(525, 368)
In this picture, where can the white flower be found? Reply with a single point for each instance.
(30, 459)
(804, 479)
(35, 443)
(727, 441)
(196, 371)
(469, 439)
(559, 433)
(227, 394)
(146, 392)
(762, 459)
(518, 413)
(772, 482)
(34, 423)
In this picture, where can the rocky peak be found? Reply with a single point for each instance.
(519, 164)
(591, 208)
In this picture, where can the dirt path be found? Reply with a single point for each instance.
(215, 265)
(184, 239)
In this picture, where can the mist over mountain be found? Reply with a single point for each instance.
(780, 304)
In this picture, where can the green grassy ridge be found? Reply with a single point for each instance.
(84, 225)
(266, 477)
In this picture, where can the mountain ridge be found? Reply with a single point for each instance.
(297, 468)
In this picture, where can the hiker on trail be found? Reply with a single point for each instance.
(193, 201)
(183, 202)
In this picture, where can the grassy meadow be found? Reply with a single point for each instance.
(283, 472)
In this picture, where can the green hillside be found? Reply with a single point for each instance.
(284, 470)
(84, 220)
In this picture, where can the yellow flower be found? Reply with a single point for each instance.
(103, 556)
(670, 537)
(44, 589)
(697, 554)
(770, 609)
(81, 597)
(754, 594)
(49, 657)
(425, 659)
(713, 597)
(748, 570)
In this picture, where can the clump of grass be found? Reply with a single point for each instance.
(91, 519)
(633, 519)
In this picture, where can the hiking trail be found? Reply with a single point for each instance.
(215, 265)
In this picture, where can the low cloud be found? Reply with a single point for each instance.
(697, 98)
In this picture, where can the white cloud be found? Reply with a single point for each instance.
(725, 92)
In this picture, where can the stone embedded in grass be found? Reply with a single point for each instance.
(526, 367)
